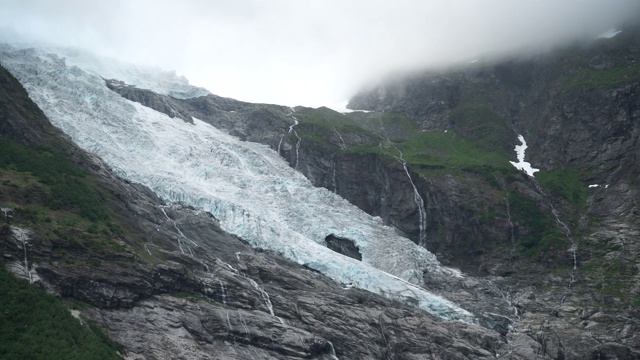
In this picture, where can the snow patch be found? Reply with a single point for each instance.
(609, 34)
(341, 107)
(521, 164)
(594, 186)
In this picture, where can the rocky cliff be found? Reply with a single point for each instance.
(554, 254)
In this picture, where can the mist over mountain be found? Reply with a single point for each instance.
(312, 53)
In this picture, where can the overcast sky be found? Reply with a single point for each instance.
(306, 52)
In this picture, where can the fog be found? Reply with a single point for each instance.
(308, 52)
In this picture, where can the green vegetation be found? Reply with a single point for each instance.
(55, 198)
(565, 183)
(598, 68)
(191, 297)
(36, 325)
(69, 188)
(398, 127)
(543, 233)
(613, 277)
(593, 79)
(448, 150)
(480, 125)
(321, 125)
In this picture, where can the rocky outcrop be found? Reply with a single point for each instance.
(343, 246)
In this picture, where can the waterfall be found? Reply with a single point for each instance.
(512, 237)
(254, 284)
(343, 145)
(7, 212)
(230, 327)
(22, 235)
(181, 235)
(243, 322)
(421, 210)
(291, 128)
(223, 292)
(567, 233)
(332, 351)
(417, 198)
(334, 182)
(504, 295)
(146, 247)
(280, 144)
(265, 297)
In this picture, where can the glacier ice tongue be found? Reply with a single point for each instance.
(246, 186)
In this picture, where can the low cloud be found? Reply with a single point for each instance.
(310, 52)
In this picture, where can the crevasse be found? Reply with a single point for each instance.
(246, 186)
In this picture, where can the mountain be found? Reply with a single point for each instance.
(188, 225)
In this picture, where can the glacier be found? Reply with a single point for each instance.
(247, 186)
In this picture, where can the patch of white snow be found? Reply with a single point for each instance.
(521, 164)
(609, 34)
(341, 107)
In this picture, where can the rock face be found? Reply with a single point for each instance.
(343, 246)
(559, 257)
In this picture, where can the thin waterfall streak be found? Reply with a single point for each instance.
(296, 122)
(22, 236)
(146, 247)
(243, 322)
(255, 285)
(332, 351)
(229, 323)
(343, 145)
(265, 296)
(297, 149)
(513, 239)
(280, 144)
(223, 292)
(181, 234)
(180, 246)
(334, 183)
(165, 213)
(422, 225)
(573, 248)
(504, 295)
(422, 213)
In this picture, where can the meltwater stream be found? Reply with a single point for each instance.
(246, 186)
